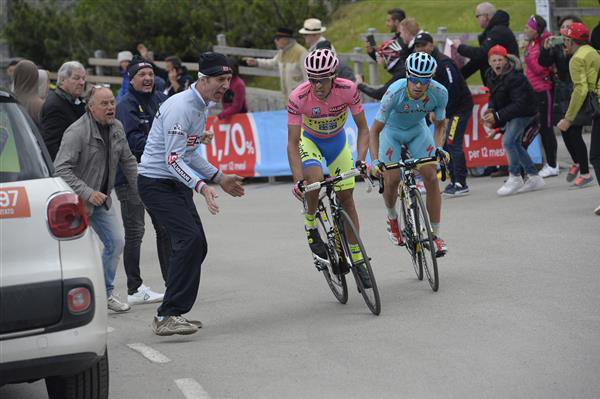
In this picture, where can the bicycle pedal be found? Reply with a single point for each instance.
(320, 264)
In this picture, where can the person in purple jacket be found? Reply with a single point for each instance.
(540, 79)
(234, 99)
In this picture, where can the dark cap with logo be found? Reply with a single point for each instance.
(136, 64)
(423, 38)
(213, 64)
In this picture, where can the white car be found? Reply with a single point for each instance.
(53, 316)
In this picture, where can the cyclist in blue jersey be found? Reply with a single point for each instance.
(401, 120)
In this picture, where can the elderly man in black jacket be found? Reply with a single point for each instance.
(63, 106)
(495, 24)
(458, 113)
(136, 111)
(512, 106)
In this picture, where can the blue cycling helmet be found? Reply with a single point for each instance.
(420, 65)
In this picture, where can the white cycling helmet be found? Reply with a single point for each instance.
(420, 65)
(321, 63)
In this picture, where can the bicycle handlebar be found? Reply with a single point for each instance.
(329, 181)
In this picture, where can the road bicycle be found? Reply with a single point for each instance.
(334, 226)
(416, 226)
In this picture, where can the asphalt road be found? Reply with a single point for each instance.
(517, 313)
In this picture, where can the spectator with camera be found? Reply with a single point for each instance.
(512, 106)
(584, 68)
(392, 22)
(541, 80)
(389, 54)
(552, 55)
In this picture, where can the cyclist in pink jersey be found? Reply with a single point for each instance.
(317, 112)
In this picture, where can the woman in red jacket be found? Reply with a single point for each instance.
(234, 99)
(540, 79)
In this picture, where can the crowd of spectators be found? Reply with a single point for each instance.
(555, 84)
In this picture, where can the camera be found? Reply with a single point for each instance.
(371, 40)
(556, 40)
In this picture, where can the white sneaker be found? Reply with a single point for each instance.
(144, 295)
(511, 186)
(549, 171)
(533, 183)
(597, 210)
(117, 306)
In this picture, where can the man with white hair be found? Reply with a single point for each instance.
(63, 106)
(87, 160)
(496, 30)
(312, 32)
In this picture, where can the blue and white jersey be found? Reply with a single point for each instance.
(398, 110)
(172, 148)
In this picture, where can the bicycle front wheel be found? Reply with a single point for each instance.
(408, 229)
(427, 257)
(370, 295)
(336, 282)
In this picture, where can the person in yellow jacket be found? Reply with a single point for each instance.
(289, 58)
(583, 68)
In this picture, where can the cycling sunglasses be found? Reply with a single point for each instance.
(415, 80)
(323, 81)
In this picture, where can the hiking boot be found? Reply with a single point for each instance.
(572, 173)
(144, 295)
(581, 181)
(511, 186)
(116, 305)
(170, 325)
(394, 232)
(441, 248)
(533, 183)
(363, 274)
(317, 246)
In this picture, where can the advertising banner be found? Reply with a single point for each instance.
(255, 144)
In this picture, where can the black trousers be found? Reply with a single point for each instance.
(544, 101)
(595, 148)
(133, 214)
(171, 204)
(577, 148)
(457, 125)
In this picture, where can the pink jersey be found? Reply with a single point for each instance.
(323, 119)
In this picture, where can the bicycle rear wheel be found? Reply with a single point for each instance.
(336, 282)
(370, 295)
(408, 230)
(427, 257)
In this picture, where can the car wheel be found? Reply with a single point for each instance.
(89, 384)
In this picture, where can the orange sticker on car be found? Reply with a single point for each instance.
(14, 203)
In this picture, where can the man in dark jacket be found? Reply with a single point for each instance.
(512, 105)
(63, 106)
(136, 112)
(394, 56)
(496, 30)
(458, 112)
(392, 22)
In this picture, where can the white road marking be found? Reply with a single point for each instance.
(109, 329)
(191, 389)
(151, 354)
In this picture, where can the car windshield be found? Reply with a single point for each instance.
(20, 154)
